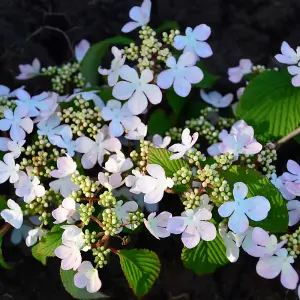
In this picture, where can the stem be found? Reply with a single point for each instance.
(287, 138)
(125, 224)
(97, 221)
(5, 228)
(113, 250)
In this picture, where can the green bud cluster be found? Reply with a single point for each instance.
(131, 52)
(134, 155)
(225, 123)
(90, 237)
(141, 158)
(267, 159)
(64, 75)
(100, 256)
(168, 38)
(110, 221)
(88, 187)
(174, 133)
(135, 219)
(85, 211)
(5, 103)
(195, 157)
(293, 243)
(83, 117)
(192, 199)
(107, 199)
(224, 160)
(182, 176)
(248, 160)
(261, 68)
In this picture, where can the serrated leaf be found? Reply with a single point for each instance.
(176, 102)
(162, 158)
(206, 257)
(92, 60)
(158, 122)
(271, 100)
(260, 185)
(166, 26)
(47, 245)
(67, 278)
(141, 268)
(3, 263)
(208, 80)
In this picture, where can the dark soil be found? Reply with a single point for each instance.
(240, 29)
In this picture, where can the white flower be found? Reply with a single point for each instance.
(188, 142)
(271, 266)
(279, 183)
(292, 178)
(289, 56)
(157, 225)
(87, 277)
(194, 226)
(133, 180)
(13, 214)
(66, 212)
(215, 149)
(236, 74)
(112, 181)
(264, 245)
(136, 89)
(216, 99)
(52, 101)
(15, 148)
(9, 169)
(139, 133)
(154, 186)
(123, 210)
(35, 104)
(34, 235)
(5, 91)
(29, 71)
(229, 239)
(95, 150)
(120, 117)
(181, 74)
(81, 49)
(117, 163)
(74, 234)
(194, 41)
(256, 208)
(139, 15)
(160, 142)
(293, 207)
(64, 140)
(70, 255)
(29, 187)
(116, 65)
(18, 123)
(64, 184)
(51, 128)
(295, 70)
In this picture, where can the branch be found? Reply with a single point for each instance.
(287, 138)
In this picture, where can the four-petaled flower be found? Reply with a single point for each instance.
(66, 212)
(13, 214)
(8, 145)
(140, 16)
(160, 142)
(87, 277)
(188, 142)
(181, 74)
(236, 73)
(157, 225)
(216, 99)
(117, 163)
(139, 133)
(112, 181)
(194, 226)
(29, 71)
(289, 56)
(137, 90)
(18, 123)
(116, 65)
(120, 116)
(194, 41)
(9, 169)
(256, 208)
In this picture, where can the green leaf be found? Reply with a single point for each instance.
(3, 204)
(166, 26)
(176, 102)
(106, 94)
(271, 104)
(67, 278)
(94, 56)
(158, 122)
(208, 80)
(141, 268)
(162, 157)
(206, 257)
(260, 185)
(3, 263)
(47, 245)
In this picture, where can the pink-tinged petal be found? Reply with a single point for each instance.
(60, 215)
(190, 237)
(293, 188)
(238, 222)
(94, 283)
(203, 49)
(207, 230)
(80, 280)
(165, 79)
(253, 148)
(156, 171)
(63, 252)
(227, 208)
(289, 277)
(84, 144)
(130, 26)
(257, 251)
(202, 214)
(180, 42)
(257, 208)
(153, 93)
(293, 167)
(123, 90)
(269, 267)
(245, 135)
(89, 159)
(214, 149)
(182, 87)
(115, 180)
(240, 190)
(202, 32)
(137, 103)
(176, 225)
(260, 236)
(193, 74)
(112, 144)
